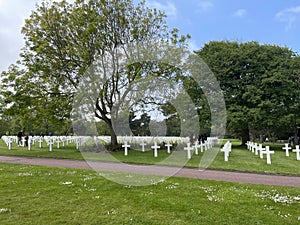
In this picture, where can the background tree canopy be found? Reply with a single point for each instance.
(260, 85)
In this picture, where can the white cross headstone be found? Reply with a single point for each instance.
(29, 143)
(58, 142)
(261, 151)
(168, 145)
(206, 145)
(226, 149)
(248, 145)
(9, 141)
(155, 147)
(188, 149)
(143, 144)
(51, 142)
(297, 150)
(201, 146)
(256, 148)
(23, 141)
(268, 152)
(126, 146)
(78, 141)
(196, 147)
(50, 146)
(63, 139)
(286, 148)
(41, 140)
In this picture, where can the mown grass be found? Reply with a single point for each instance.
(240, 158)
(64, 152)
(45, 195)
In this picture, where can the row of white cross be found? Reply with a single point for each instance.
(258, 149)
(145, 139)
(254, 147)
(203, 147)
(50, 140)
(9, 140)
(287, 149)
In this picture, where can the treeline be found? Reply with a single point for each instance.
(260, 82)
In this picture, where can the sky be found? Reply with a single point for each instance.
(266, 21)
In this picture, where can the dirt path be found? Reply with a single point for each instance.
(240, 177)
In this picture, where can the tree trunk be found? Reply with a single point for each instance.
(296, 138)
(245, 136)
(113, 136)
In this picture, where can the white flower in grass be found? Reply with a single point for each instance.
(88, 178)
(278, 197)
(66, 183)
(112, 212)
(91, 189)
(4, 210)
(284, 215)
(268, 207)
(172, 186)
(25, 174)
(297, 198)
(78, 191)
(148, 194)
(214, 198)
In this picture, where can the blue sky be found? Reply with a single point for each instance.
(266, 21)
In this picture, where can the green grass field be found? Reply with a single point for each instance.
(45, 195)
(240, 158)
(48, 195)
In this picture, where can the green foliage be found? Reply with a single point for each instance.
(139, 127)
(63, 39)
(260, 85)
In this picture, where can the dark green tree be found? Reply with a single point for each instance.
(139, 126)
(258, 82)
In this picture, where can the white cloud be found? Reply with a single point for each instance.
(12, 15)
(289, 16)
(240, 13)
(169, 8)
(205, 5)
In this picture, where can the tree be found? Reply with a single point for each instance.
(139, 126)
(26, 108)
(258, 85)
(64, 40)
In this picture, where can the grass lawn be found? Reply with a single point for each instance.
(45, 195)
(240, 158)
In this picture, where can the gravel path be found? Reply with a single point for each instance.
(240, 177)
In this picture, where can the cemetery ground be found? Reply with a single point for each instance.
(49, 195)
(240, 158)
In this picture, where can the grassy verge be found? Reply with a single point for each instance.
(240, 158)
(64, 152)
(44, 195)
